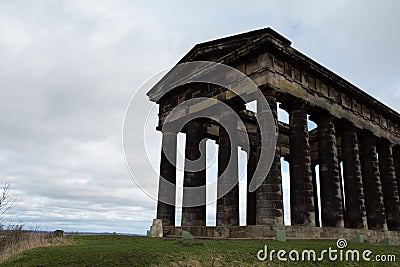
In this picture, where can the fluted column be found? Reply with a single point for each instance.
(329, 178)
(389, 185)
(269, 202)
(371, 183)
(166, 196)
(301, 188)
(194, 176)
(354, 215)
(227, 185)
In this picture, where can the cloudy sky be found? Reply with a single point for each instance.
(68, 70)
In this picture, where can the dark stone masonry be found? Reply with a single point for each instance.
(356, 145)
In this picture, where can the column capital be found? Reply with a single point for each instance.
(169, 132)
(346, 127)
(271, 100)
(270, 93)
(366, 133)
(193, 124)
(295, 104)
(321, 116)
(197, 126)
(173, 127)
(385, 142)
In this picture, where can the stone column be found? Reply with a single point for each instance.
(194, 176)
(389, 185)
(329, 178)
(354, 215)
(269, 203)
(166, 196)
(251, 196)
(371, 183)
(396, 159)
(301, 188)
(315, 192)
(228, 176)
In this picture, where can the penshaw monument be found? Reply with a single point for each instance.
(356, 144)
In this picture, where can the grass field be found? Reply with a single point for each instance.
(117, 250)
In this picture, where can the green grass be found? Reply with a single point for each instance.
(141, 251)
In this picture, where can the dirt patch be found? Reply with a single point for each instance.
(189, 263)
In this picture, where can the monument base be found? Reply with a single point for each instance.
(292, 232)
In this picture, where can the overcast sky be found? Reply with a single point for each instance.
(68, 70)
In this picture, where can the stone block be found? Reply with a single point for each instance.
(156, 230)
(358, 239)
(281, 235)
(187, 235)
(386, 241)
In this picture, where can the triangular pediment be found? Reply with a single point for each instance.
(212, 50)
(216, 49)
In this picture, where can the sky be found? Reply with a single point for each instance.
(69, 69)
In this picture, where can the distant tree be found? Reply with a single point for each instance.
(6, 201)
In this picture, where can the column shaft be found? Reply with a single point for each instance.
(227, 185)
(354, 215)
(251, 196)
(389, 186)
(301, 188)
(194, 190)
(329, 178)
(167, 182)
(371, 183)
(269, 202)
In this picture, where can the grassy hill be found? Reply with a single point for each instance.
(116, 250)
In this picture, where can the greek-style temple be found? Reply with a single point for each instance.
(356, 146)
